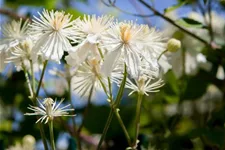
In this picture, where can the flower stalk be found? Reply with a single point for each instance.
(51, 134)
(137, 120)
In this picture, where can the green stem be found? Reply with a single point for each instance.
(161, 54)
(32, 75)
(51, 134)
(114, 105)
(86, 109)
(110, 88)
(44, 140)
(35, 96)
(116, 111)
(137, 120)
(28, 83)
(108, 122)
(42, 76)
(73, 120)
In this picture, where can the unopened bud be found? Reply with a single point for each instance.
(173, 45)
(29, 141)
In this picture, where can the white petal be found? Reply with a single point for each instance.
(110, 62)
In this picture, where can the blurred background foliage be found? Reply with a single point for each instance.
(189, 111)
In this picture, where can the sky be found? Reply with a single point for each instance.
(98, 8)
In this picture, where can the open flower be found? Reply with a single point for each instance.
(134, 42)
(21, 52)
(52, 30)
(48, 110)
(88, 76)
(89, 31)
(13, 32)
(144, 85)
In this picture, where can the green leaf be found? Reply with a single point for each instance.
(174, 7)
(49, 4)
(190, 23)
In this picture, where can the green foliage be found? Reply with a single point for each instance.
(190, 23)
(174, 7)
(49, 4)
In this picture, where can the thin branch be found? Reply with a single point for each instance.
(12, 14)
(113, 4)
(210, 21)
(139, 10)
(157, 13)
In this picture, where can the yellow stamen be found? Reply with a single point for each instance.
(125, 30)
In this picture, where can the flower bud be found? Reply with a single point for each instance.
(173, 45)
(29, 141)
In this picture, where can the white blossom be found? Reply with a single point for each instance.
(49, 109)
(134, 42)
(13, 32)
(88, 76)
(52, 30)
(89, 31)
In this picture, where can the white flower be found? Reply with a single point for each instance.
(144, 85)
(21, 52)
(87, 77)
(134, 42)
(48, 109)
(91, 27)
(89, 32)
(13, 32)
(52, 30)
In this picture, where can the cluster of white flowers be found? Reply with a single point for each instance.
(98, 47)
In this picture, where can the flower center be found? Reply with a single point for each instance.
(125, 30)
(141, 84)
(95, 66)
(48, 105)
(59, 20)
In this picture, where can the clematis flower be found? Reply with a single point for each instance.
(13, 32)
(134, 42)
(89, 31)
(21, 53)
(88, 76)
(52, 30)
(49, 109)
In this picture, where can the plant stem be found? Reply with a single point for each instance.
(116, 111)
(137, 120)
(108, 122)
(114, 105)
(73, 120)
(32, 75)
(42, 75)
(162, 54)
(86, 109)
(51, 134)
(28, 83)
(157, 13)
(33, 97)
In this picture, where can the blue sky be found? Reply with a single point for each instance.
(97, 7)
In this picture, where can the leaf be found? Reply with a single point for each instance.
(190, 23)
(197, 85)
(49, 4)
(174, 7)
